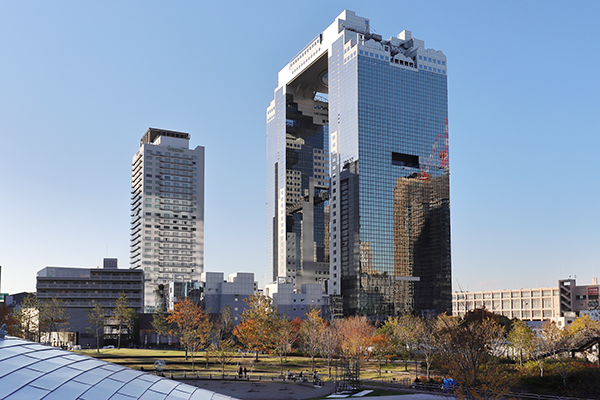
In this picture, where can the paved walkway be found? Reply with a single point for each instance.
(245, 390)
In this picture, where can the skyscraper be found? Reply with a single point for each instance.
(357, 171)
(167, 210)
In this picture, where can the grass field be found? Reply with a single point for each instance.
(267, 365)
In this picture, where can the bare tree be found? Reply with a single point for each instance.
(95, 317)
(285, 335)
(223, 350)
(329, 343)
(310, 333)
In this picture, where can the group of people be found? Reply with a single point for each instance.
(242, 372)
(303, 378)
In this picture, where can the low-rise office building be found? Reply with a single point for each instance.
(82, 288)
(219, 293)
(561, 304)
(295, 303)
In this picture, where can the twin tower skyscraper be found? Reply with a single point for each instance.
(357, 172)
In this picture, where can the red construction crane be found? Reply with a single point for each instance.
(443, 154)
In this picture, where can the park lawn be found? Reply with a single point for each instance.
(267, 364)
(132, 353)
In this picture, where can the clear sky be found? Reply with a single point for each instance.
(80, 83)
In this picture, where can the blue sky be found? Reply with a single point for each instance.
(80, 82)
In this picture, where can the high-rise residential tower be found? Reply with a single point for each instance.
(357, 172)
(167, 210)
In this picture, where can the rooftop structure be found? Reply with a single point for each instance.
(32, 371)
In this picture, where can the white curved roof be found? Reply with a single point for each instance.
(31, 371)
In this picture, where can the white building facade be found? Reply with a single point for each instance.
(167, 210)
(560, 304)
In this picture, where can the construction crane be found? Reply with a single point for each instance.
(443, 154)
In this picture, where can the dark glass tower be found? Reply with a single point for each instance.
(381, 108)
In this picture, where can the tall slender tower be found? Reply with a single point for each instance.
(357, 143)
(167, 210)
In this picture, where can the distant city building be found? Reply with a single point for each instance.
(82, 288)
(219, 293)
(14, 300)
(561, 304)
(357, 172)
(167, 211)
(179, 290)
(293, 302)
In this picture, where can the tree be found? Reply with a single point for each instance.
(465, 349)
(284, 337)
(382, 348)
(559, 343)
(521, 339)
(422, 338)
(54, 317)
(192, 326)
(95, 317)
(583, 329)
(400, 331)
(223, 327)
(160, 323)
(256, 328)
(221, 332)
(223, 351)
(328, 343)
(310, 332)
(8, 318)
(355, 340)
(124, 316)
(27, 315)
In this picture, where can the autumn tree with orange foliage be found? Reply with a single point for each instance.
(383, 348)
(257, 328)
(355, 335)
(192, 326)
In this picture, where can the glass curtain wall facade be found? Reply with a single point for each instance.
(388, 197)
